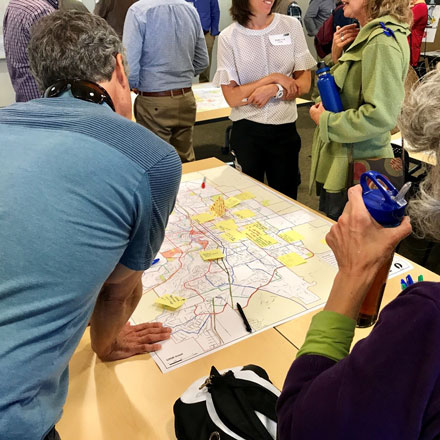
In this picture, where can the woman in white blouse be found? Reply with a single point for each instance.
(262, 66)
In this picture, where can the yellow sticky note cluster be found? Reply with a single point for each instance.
(231, 202)
(291, 236)
(244, 196)
(244, 214)
(218, 207)
(227, 225)
(233, 236)
(170, 301)
(212, 254)
(292, 259)
(203, 217)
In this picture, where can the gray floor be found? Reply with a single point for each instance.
(209, 138)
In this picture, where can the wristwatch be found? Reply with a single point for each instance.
(280, 91)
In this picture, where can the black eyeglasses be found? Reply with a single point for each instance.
(81, 89)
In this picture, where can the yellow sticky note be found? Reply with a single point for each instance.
(212, 254)
(231, 202)
(291, 236)
(244, 196)
(292, 259)
(244, 213)
(265, 202)
(233, 236)
(259, 237)
(264, 241)
(256, 225)
(218, 207)
(227, 225)
(203, 217)
(252, 232)
(170, 301)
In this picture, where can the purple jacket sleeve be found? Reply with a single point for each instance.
(387, 388)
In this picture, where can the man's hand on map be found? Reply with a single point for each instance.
(361, 247)
(137, 339)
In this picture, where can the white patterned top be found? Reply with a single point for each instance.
(245, 55)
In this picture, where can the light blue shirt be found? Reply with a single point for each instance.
(81, 189)
(165, 45)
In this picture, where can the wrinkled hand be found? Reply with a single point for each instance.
(260, 97)
(316, 112)
(360, 244)
(137, 339)
(342, 38)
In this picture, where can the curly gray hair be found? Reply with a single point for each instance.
(73, 45)
(419, 123)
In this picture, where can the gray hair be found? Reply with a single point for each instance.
(73, 45)
(419, 123)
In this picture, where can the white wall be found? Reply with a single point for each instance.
(7, 94)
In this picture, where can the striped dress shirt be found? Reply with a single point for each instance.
(19, 18)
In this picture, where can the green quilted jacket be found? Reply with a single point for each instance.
(371, 73)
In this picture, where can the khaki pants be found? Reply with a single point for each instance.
(171, 118)
(204, 76)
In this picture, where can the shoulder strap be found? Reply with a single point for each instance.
(236, 400)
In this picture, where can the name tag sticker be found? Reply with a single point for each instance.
(280, 39)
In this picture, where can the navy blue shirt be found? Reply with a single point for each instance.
(209, 13)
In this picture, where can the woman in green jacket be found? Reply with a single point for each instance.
(370, 75)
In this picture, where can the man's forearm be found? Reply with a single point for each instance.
(110, 315)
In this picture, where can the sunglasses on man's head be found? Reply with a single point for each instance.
(80, 89)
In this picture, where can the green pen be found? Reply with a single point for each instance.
(420, 278)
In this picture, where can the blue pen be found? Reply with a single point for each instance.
(409, 280)
(156, 260)
(403, 284)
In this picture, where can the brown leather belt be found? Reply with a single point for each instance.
(174, 92)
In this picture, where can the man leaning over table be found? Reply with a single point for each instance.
(165, 50)
(86, 198)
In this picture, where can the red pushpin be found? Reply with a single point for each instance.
(204, 183)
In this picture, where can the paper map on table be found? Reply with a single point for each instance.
(276, 264)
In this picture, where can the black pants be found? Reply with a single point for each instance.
(332, 204)
(52, 435)
(270, 149)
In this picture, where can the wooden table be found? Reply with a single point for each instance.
(132, 399)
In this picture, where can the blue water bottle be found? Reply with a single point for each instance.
(328, 90)
(387, 206)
